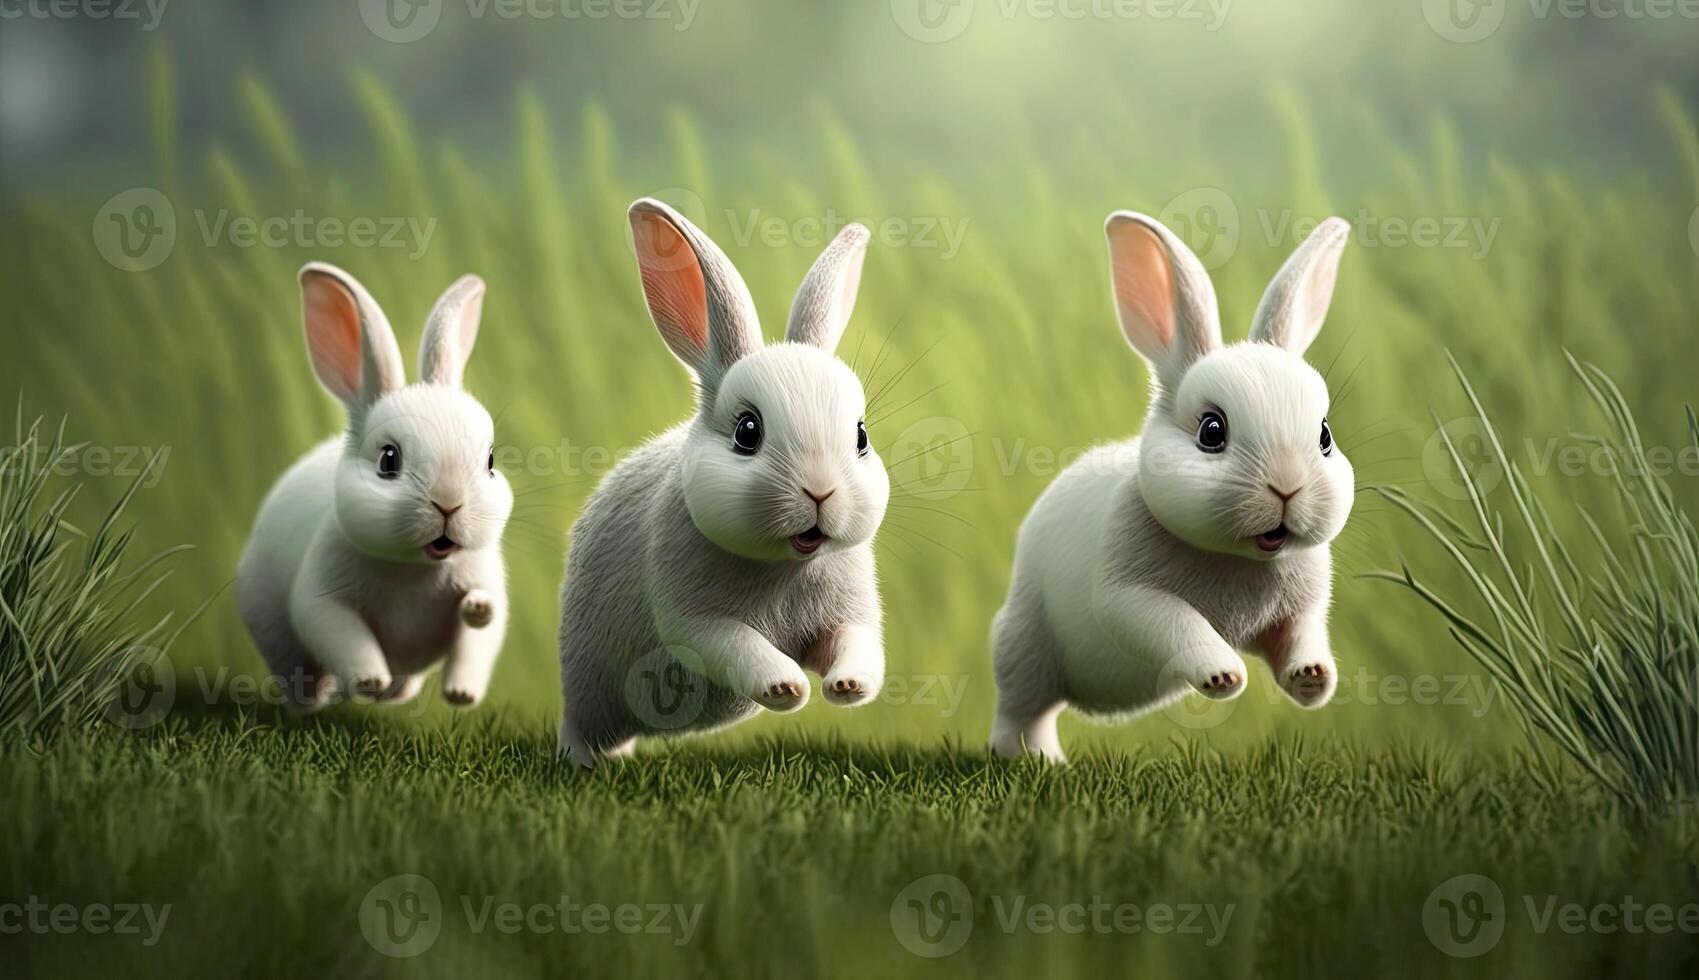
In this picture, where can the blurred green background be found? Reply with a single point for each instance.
(1521, 181)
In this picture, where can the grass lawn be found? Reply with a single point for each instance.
(272, 840)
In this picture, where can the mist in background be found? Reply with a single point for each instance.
(936, 86)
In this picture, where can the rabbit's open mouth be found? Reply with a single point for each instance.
(441, 548)
(1272, 540)
(809, 541)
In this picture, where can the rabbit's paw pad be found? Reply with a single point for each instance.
(372, 686)
(477, 610)
(848, 690)
(783, 695)
(1225, 684)
(1309, 684)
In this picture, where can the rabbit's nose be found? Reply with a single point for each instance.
(819, 498)
(1284, 495)
(446, 511)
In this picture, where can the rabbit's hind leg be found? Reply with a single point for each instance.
(1029, 691)
(572, 746)
(305, 686)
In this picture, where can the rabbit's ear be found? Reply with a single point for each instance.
(1296, 302)
(1162, 294)
(349, 340)
(696, 298)
(450, 332)
(823, 305)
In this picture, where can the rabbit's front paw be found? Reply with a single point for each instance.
(1209, 667)
(463, 683)
(371, 686)
(459, 697)
(478, 609)
(1311, 684)
(783, 694)
(1222, 685)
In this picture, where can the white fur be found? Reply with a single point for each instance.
(809, 402)
(683, 559)
(1137, 576)
(335, 584)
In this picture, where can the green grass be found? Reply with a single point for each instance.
(68, 601)
(266, 837)
(1595, 642)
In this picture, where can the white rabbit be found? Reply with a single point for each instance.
(727, 554)
(1147, 564)
(378, 553)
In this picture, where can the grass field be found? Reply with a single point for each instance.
(1326, 834)
(271, 841)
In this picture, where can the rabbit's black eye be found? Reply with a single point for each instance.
(861, 438)
(1212, 432)
(492, 462)
(389, 462)
(1326, 439)
(746, 433)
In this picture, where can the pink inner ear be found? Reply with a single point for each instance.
(333, 334)
(1144, 286)
(673, 285)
